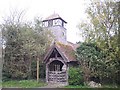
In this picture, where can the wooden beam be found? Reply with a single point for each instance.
(47, 73)
(37, 69)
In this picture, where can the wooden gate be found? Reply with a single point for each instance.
(57, 76)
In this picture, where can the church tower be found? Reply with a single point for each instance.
(57, 26)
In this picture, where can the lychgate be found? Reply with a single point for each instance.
(58, 60)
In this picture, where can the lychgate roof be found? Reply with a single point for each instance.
(66, 51)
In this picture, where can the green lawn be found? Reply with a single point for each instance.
(0, 84)
(22, 84)
(78, 86)
(104, 86)
(34, 84)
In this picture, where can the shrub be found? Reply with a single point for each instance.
(75, 76)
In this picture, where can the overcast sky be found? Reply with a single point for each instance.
(72, 11)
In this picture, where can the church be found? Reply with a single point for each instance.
(61, 54)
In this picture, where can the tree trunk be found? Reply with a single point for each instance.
(30, 71)
(37, 69)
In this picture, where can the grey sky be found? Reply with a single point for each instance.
(70, 10)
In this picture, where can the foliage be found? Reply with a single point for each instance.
(103, 29)
(25, 42)
(91, 60)
(103, 26)
(13, 59)
(22, 84)
(75, 76)
(102, 23)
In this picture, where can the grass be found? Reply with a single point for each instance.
(77, 86)
(103, 86)
(22, 84)
(110, 86)
(0, 84)
(35, 84)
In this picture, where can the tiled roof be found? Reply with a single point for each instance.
(73, 45)
(65, 49)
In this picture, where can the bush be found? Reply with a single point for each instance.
(75, 76)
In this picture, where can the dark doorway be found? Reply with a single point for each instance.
(56, 66)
